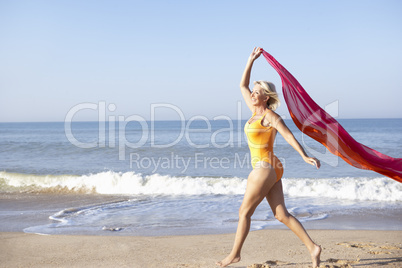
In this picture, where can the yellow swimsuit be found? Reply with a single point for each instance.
(261, 143)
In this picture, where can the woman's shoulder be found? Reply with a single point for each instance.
(271, 114)
(271, 118)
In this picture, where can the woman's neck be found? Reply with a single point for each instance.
(260, 109)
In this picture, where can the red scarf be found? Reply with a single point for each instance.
(313, 121)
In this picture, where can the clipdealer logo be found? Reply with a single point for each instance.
(147, 128)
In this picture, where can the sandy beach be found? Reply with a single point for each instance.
(266, 248)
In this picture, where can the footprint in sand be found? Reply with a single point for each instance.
(338, 263)
(267, 264)
(371, 248)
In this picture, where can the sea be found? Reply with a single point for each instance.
(157, 178)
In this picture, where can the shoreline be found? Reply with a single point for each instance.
(363, 248)
(29, 211)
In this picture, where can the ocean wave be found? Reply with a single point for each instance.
(131, 183)
(370, 189)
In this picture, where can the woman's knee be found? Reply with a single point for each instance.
(245, 212)
(282, 217)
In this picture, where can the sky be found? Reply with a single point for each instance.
(169, 60)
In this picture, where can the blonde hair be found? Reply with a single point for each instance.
(270, 91)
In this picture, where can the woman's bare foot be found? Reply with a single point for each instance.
(315, 256)
(228, 260)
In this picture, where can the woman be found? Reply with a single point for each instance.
(264, 180)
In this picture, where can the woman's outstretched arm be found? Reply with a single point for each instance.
(277, 122)
(245, 79)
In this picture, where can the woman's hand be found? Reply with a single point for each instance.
(312, 161)
(256, 53)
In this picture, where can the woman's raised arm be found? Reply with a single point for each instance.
(245, 79)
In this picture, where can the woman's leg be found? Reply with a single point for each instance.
(259, 183)
(277, 202)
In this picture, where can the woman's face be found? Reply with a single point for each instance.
(258, 97)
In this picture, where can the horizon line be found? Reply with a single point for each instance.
(171, 120)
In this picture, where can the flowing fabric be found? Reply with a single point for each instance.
(313, 121)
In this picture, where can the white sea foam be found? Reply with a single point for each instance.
(123, 183)
(374, 189)
(130, 183)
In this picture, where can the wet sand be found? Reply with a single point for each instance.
(266, 248)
